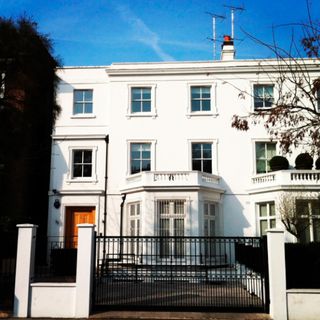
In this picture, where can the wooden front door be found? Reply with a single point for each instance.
(75, 216)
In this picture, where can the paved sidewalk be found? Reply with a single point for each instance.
(132, 315)
(149, 315)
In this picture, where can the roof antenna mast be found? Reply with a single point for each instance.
(214, 34)
(233, 9)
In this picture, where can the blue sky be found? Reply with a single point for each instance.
(99, 32)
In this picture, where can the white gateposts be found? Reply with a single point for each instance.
(63, 300)
(277, 274)
(24, 268)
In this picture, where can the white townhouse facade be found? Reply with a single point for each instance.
(148, 149)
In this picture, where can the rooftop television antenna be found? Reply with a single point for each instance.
(233, 9)
(214, 35)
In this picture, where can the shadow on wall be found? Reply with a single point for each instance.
(234, 219)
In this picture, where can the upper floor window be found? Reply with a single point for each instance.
(202, 157)
(140, 100)
(81, 163)
(264, 152)
(200, 98)
(263, 96)
(82, 101)
(266, 217)
(140, 157)
(318, 100)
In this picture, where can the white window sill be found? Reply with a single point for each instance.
(257, 109)
(202, 114)
(141, 115)
(81, 180)
(83, 116)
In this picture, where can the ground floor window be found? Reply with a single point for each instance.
(209, 229)
(134, 226)
(134, 219)
(309, 213)
(171, 223)
(209, 221)
(266, 216)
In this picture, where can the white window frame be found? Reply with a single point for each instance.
(209, 217)
(82, 115)
(172, 216)
(94, 177)
(136, 217)
(268, 217)
(213, 99)
(214, 153)
(153, 112)
(262, 83)
(153, 155)
(311, 217)
(254, 141)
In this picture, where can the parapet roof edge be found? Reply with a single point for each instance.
(236, 62)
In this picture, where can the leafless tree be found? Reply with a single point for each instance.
(294, 118)
(295, 221)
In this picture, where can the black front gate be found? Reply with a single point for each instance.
(185, 273)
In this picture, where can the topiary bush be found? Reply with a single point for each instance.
(317, 163)
(279, 163)
(304, 161)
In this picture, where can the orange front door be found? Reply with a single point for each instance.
(75, 216)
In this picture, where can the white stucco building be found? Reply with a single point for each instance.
(160, 134)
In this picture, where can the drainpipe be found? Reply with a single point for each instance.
(105, 198)
(121, 224)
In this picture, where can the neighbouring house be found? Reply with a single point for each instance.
(148, 149)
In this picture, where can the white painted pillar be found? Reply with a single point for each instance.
(24, 268)
(85, 265)
(277, 274)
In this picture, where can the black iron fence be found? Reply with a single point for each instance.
(8, 253)
(180, 272)
(56, 259)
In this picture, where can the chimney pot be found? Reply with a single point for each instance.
(228, 51)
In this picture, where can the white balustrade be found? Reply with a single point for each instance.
(287, 177)
(171, 178)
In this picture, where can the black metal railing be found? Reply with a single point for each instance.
(179, 272)
(56, 259)
(8, 253)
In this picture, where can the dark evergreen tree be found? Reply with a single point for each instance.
(27, 112)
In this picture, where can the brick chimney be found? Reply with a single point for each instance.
(228, 52)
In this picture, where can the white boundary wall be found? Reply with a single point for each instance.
(303, 304)
(62, 300)
(293, 304)
(73, 300)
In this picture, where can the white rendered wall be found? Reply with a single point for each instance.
(52, 300)
(171, 130)
(303, 304)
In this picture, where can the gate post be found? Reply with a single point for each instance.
(85, 263)
(24, 268)
(277, 274)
